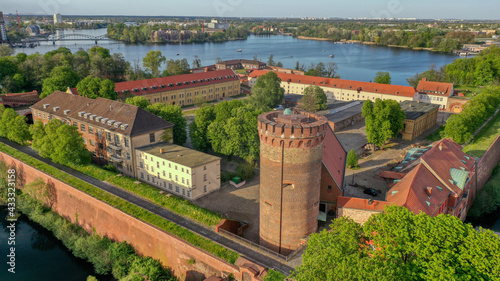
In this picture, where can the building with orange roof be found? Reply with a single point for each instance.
(440, 180)
(434, 92)
(181, 89)
(19, 99)
(340, 89)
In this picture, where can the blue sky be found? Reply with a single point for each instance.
(435, 9)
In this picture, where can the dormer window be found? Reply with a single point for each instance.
(110, 122)
(178, 83)
(46, 105)
(86, 115)
(201, 80)
(171, 85)
(144, 88)
(98, 118)
(124, 126)
(80, 114)
(208, 79)
(103, 120)
(117, 124)
(67, 111)
(154, 87)
(162, 86)
(125, 91)
(92, 117)
(56, 108)
(186, 82)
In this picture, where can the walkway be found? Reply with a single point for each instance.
(245, 251)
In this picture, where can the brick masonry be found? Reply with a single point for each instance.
(95, 215)
(487, 163)
(291, 153)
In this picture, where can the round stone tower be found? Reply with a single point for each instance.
(291, 147)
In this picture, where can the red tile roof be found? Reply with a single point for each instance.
(392, 175)
(435, 88)
(361, 204)
(411, 192)
(172, 83)
(395, 90)
(442, 157)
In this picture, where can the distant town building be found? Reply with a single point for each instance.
(340, 89)
(33, 30)
(185, 172)
(57, 18)
(174, 35)
(434, 92)
(216, 24)
(436, 179)
(240, 64)
(420, 117)
(111, 130)
(3, 29)
(182, 89)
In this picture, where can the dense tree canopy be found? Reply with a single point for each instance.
(139, 101)
(13, 126)
(61, 77)
(267, 92)
(314, 99)
(198, 129)
(384, 120)
(176, 67)
(153, 61)
(60, 142)
(461, 127)
(173, 114)
(382, 78)
(398, 245)
(94, 87)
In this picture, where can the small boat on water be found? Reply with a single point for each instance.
(178, 54)
(239, 50)
(332, 56)
(324, 50)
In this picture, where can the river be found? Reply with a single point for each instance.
(355, 61)
(39, 255)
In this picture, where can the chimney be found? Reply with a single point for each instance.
(370, 201)
(162, 150)
(428, 190)
(441, 147)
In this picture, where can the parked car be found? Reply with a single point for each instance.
(370, 191)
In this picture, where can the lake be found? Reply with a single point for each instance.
(355, 61)
(39, 255)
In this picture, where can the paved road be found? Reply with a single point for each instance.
(245, 251)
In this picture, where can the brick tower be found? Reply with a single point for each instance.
(291, 147)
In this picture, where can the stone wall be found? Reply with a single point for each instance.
(95, 215)
(487, 163)
(359, 216)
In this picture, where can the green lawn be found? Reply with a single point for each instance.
(472, 90)
(484, 138)
(241, 71)
(436, 135)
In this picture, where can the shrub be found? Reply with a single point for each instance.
(352, 159)
(226, 176)
(110, 168)
(245, 170)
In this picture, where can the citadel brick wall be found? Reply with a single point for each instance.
(95, 215)
(291, 153)
(487, 163)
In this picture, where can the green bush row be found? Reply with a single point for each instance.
(127, 207)
(173, 203)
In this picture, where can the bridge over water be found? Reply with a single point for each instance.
(66, 37)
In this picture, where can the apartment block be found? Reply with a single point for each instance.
(110, 129)
(179, 170)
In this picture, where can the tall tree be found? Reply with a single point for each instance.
(198, 129)
(382, 78)
(314, 99)
(383, 120)
(270, 60)
(267, 92)
(60, 79)
(139, 101)
(196, 62)
(176, 67)
(173, 114)
(153, 62)
(94, 87)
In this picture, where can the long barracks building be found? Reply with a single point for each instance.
(340, 89)
(181, 89)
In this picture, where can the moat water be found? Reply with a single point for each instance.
(355, 61)
(39, 256)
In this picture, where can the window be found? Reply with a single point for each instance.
(204, 167)
(176, 189)
(108, 136)
(164, 173)
(141, 164)
(152, 137)
(182, 170)
(142, 175)
(187, 181)
(187, 171)
(126, 142)
(74, 123)
(92, 142)
(82, 127)
(176, 178)
(205, 177)
(169, 175)
(182, 180)
(128, 156)
(99, 133)
(189, 193)
(176, 167)
(91, 130)
(329, 187)
(205, 189)
(85, 140)
(100, 146)
(170, 186)
(157, 164)
(148, 177)
(183, 191)
(117, 139)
